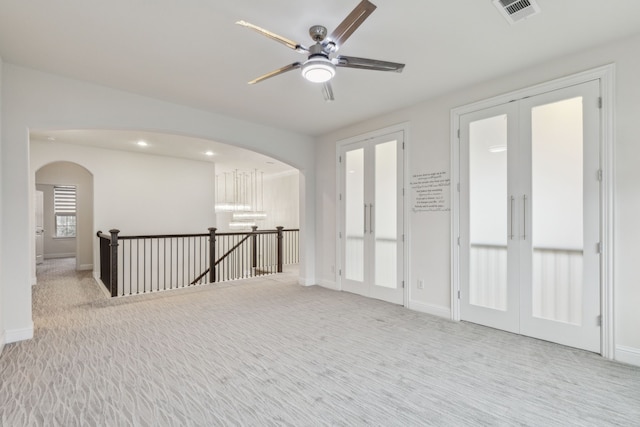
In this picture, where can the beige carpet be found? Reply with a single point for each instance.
(266, 352)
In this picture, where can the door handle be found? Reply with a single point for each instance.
(524, 217)
(364, 221)
(511, 218)
(371, 218)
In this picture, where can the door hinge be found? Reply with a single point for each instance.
(458, 133)
(403, 145)
(403, 237)
(403, 284)
(458, 240)
(599, 247)
(458, 187)
(340, 196)
(458, 294)
(600, 102)
(340, 235)
(599, 174)
(599, 320)
(340, 272)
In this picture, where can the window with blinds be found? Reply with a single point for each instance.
(64, 209)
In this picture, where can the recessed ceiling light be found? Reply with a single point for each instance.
(50, 138)
(142, 143)
(209, 153)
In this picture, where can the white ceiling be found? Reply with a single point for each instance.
(190, 52)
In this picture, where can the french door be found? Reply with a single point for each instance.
(371, 211)
(529, 216)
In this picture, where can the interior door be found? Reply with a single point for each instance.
(559, 250)
(490, 294)
(39, 227)
(529, 216)
(372, 213)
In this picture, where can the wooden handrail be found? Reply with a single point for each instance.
(168, 236)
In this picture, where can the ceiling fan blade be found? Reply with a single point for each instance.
(327, 92)
(273, 36)
(367, 64)
(276, 72)
(351, 23)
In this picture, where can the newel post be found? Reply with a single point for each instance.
(212, 254)
(279, 228)
(113, 263)
(254, 248)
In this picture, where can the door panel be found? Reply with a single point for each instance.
(354, 225)
(486, 218)
(372, 249)
(488, 211)
(529, 216)
(385, 215)
(560, 267)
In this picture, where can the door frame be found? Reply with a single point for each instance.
(606, 75)
(405, 268)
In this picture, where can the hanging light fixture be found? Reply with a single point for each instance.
(241, 194)
(231, 192)
(241, 225)
(255, 196)
(249, 215)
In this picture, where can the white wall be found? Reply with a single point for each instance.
(140, 193)
(2, 334)
(281, 202)
(429, 150)
(40, 101)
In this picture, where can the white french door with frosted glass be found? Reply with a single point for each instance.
(529, 216)
(371, 212)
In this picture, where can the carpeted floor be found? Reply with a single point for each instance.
(267, 352)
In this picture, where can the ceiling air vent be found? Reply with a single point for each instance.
(517, 10)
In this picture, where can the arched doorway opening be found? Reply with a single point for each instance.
(64, 220)
(149, 183)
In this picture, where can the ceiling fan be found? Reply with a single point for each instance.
(321, 63)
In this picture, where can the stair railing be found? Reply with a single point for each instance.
(131, 265)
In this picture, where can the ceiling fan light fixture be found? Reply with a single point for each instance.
(318, 69)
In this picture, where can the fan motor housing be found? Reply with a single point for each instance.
(318, 33)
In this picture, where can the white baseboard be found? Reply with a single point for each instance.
(304, 281)
(329, 285)
(85, 267)
(1, 341)
(628, 355)
(100, 284)
(60, 255)
(15, 335)
(435, 310)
